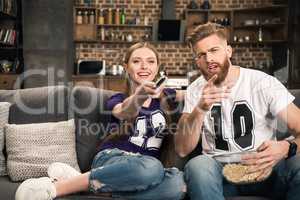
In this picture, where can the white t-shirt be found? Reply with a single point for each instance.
(244, 120)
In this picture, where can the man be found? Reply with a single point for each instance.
(233, 109)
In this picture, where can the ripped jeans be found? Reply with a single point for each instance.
(134, 176)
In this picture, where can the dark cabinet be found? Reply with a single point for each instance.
(11, 52)
(294, 44)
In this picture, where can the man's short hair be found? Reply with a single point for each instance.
(204, 30)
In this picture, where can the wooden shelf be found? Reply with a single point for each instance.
(266, 8)
(7, 16)
(196, 10)
(5, 44)
(86, 41)
(269, 25)
(204, 10)
(11, 48)
(259, 43)
(78, 76)
(116, 25)
(83, 7)
(118, 41)
(12, 74)
(106, 41)
(124, 25)
(85, 24)
(8, 80)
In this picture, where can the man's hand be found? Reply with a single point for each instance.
(268, 155)
(212, 94)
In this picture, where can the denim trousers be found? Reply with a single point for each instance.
(204, 179)
(134, 176)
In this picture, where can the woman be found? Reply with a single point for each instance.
(127, 164)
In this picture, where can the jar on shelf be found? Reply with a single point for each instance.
(92, 17)
(146, 21)
(101, 17)
(117, 16)
(109, 16)
(102, 33)
(129, 38)
(79, 19)
(137, 17)
(86, 17)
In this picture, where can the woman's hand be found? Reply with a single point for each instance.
(148, 89)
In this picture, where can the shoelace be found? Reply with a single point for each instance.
(49, 195)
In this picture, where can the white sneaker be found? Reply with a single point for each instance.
(59, 171)
(36, 189)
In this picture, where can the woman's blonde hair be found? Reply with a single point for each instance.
(138, 46)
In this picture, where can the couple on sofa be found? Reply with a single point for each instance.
(228, 108)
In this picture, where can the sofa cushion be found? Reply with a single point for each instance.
(37, 105)
(282, 129)
(4, 111)
(32, 147)
(87, 105)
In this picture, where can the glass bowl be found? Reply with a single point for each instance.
(234, 171)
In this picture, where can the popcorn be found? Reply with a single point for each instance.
(237, 173)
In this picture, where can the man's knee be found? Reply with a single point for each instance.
(199, 164)
(293, 166)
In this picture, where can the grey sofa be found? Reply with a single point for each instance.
(81, 103)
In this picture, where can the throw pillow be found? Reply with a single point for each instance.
(31, 148)
(4, 112)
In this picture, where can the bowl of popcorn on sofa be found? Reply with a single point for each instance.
(234, 171)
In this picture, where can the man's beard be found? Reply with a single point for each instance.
(224, 68)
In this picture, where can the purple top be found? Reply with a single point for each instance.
(147, 131)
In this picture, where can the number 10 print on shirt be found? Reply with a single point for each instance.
(242, 126)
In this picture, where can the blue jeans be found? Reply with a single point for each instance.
(134, 176)
(204, 180)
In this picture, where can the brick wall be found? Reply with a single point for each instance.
(175, 57)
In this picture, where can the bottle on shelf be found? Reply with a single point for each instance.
(215, 20)
(86, 17)
(92, 17)
(227, 21)
(205, 5)
(146, 21)
(101, 17)
(102, 33)
(192, 5)
(109, 16)
(117, 16)
(123, 16)
(260, 35)
(79, 19)
(137, 17)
